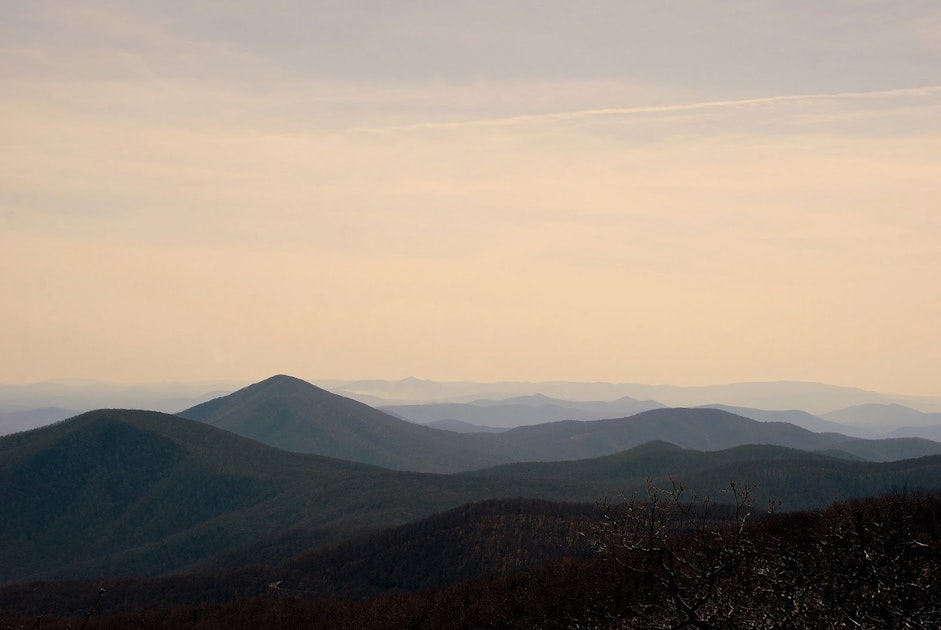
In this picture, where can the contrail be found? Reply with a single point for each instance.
(651, 109)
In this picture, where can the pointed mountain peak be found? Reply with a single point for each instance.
(281, 385)
(283, 379)
(292, 414)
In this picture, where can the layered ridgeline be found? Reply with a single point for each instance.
(517, 411)
(289, 413)
(295, 415)
(696, 428)
(897, 420)
(794, 479)
(117, 492)
(500, 415)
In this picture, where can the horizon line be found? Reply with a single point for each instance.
(84, 381)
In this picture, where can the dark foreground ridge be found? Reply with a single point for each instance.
(869, 563)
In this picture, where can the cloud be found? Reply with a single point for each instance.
(666, 109)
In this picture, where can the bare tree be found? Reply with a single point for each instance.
(689, 554)
(870, 563)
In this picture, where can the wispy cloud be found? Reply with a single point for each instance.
(659, 109)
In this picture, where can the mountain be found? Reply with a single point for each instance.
(932, 432)
(118, 492)
(797, 478)
(810, 397)
(796, 417)
(540, 409)
(290, 413)
(295, 415)
(697, 428)
(520, 411)
(883, 417)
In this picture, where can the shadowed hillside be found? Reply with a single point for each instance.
(474, 541)
(864, 564)
(795, 478)
(117, 492)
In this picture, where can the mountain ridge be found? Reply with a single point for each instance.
(130, 492)
(289, 413)
(125, 492)
(813, 397)
(701, 428)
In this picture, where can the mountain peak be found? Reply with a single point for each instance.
(282, 379)
(292, 414)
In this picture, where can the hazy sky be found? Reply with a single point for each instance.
(678, 191)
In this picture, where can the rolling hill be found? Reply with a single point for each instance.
(520, 411)
(292, 414)
(932, 432)
(798, 479)
(883, 417)
(795, 417)
(700, 428)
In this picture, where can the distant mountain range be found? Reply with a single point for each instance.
(884, 417)
(816, 398)
(697, 428)
(562, 400)
(123, 492)
(495, 415)
(519, 411)
(798, 418)
(289, 413)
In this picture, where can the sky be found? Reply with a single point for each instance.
(689, 192)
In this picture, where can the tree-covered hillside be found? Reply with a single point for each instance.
(661, 561)
(118, 492)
